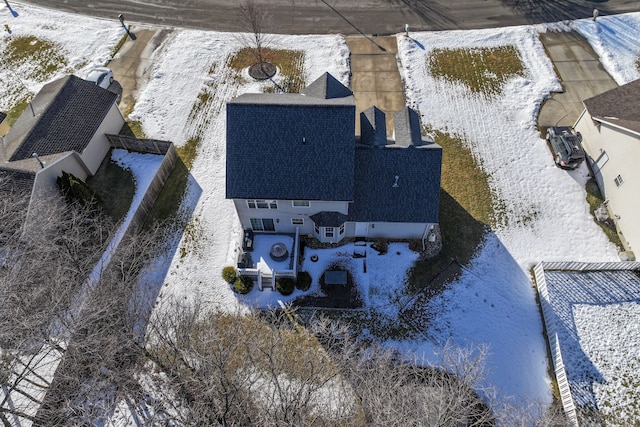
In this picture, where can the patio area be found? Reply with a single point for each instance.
(271, 252)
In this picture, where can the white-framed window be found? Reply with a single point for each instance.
(300, 203)
(262, 204)
(618, 180)
(328, 231)
(297, 221)
(262, 224)
(341, 230)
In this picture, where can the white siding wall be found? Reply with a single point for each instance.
(390, 230)
(93, 155)
(623, 151)
(283, 216)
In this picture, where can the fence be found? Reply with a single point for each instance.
(150, 146)
(554, 343)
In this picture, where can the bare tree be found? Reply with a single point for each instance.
(255, 20)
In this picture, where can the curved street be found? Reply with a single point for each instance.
(346, 16)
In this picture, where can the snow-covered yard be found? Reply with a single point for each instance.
(493, 302)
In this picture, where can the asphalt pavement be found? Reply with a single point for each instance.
(345, 16)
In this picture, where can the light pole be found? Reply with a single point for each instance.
(35, 156)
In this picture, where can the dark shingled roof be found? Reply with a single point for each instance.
(328, 219)
(290, 151)
(2, 116)
(416, 198)
(406, 124)
(73, 110)
(327, 87)
(373, 127)
(618, 106)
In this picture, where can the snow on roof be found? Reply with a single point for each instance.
(592, 313)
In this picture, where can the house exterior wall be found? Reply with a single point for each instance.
(614, 153)
(99, 145)
(286, 212)
(392, 230)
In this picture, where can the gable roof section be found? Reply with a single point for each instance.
(68, 112)
(373, 127)
(327, 87)
(617, 106)
(291, 147)
(415, 199)
(406, 124)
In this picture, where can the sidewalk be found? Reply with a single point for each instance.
(581, 74)
(375, 79)
(132, 63)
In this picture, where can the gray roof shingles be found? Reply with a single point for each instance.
(415, 199)
(303, 147)
(69, 121)
(619, 106)
(290, 151)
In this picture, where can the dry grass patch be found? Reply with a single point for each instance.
(482, 70)
(41, 55)
(290, 64)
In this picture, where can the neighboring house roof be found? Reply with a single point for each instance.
(413, 197)
(617, 106)
(2, 116)
(68, 112)
(290, 147)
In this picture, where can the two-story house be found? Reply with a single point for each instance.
(294, 162)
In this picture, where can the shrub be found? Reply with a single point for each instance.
(229, 274)
(304, 281)
(285, 285)
(243, 285)
(381, 245)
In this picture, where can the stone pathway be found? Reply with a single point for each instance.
(581, 74)
(375, 79)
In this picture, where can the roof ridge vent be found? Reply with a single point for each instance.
(395, 184)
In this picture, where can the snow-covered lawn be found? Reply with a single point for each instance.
(493, 302)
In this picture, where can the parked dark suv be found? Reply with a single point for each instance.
(566, 146)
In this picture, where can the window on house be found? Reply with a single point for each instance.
(341, 230)
(316, 229)
(301, 203)
(262, 224)
(328, 232)
(619, 181)
(297, 221)
(262, 204)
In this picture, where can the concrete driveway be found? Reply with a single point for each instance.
(132, 63)
(375, 79)
(581, 74)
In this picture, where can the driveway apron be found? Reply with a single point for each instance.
(375, 79)
(581, 74)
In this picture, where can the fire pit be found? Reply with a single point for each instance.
(278, 251)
